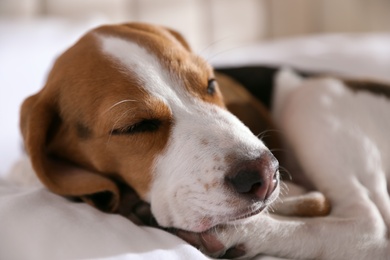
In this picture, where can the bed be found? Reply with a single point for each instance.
(35, 224)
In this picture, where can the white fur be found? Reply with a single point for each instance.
(192, 169)
(341, 139)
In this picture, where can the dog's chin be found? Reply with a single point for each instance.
(247, 215)
(243, 215)
(238, 216)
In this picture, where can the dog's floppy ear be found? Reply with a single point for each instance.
(40, 120)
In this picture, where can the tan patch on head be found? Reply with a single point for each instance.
(196, 76)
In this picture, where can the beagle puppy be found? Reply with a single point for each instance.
(130, 106)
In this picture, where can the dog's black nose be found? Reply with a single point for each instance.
(255, 179)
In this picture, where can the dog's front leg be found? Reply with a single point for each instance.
(295, 238)
(305, 238)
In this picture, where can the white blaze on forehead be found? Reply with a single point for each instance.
(146, 67)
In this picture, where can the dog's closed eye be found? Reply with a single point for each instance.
(145, 125)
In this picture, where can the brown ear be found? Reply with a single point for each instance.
(179, 38)
(39, 122)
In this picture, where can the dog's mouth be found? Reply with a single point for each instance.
(208, 223)
(257, 209)
(249, 213)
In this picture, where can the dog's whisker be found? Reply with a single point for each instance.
(214, 229)
(203, 52)
(283, 188)
(118, 103)
(263, 136)
(271, 209)
(279, 150)
(287, 172)
(236, 226)
(273, 130)
(282, 192)
(267, 133)
(209, 59)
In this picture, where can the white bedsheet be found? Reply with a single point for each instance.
(35, 224)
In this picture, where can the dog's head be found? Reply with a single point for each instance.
(131, 103)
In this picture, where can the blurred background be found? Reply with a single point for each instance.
(34, 32)
(229, 22)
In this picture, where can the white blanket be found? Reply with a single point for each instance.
(35, 224)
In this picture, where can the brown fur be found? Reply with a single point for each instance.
(312, 207)
(371, 86)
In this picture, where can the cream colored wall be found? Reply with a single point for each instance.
(227, 23)
(203, 22)
(300, 17)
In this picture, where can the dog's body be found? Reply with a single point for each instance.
(340, 137)
(131, 104)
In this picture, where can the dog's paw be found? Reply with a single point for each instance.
(210, 244)
(312, 204)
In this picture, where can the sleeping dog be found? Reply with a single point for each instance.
(130, 107)
(132, 104)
